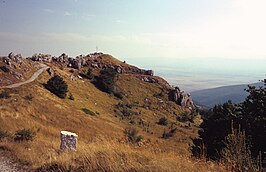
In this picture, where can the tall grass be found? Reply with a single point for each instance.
(236, 154)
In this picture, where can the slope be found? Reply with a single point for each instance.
(102, 144)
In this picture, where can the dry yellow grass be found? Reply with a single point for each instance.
(101, 143)
(103, 154)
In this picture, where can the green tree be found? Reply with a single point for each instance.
(217, 126)
(254, 110)
(58, 86)
(106, 80)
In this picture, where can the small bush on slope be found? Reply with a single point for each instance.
(24, 135)
(4, 69)
(106, 82)
(3, 134)
(4, 95)
(163, 121)
(88, 112)
(58, 86)
(132, 135)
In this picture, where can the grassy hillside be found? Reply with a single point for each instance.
(102, 143)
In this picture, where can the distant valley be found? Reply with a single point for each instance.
(213, 96)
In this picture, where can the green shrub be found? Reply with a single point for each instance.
(106, 82)
(24, 135)
(163, 121)
(169, 134)
(88, 112)
(3, 134)
(4, 95)
(125, 110)
(58, 86)
(118, 94)
(186, 116)
(89, 74)
(29, 97)
(5, 69)
(132, 135)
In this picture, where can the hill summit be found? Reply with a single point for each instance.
(124, 116)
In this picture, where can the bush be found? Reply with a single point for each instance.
(132, 135)
(169, 134)
(3, 134)
(89, 74)
(186, 116)
(106, 82)
(28, 97)
(88, 112)
(58, 86)
(5, 69)
(125, 110)
(118, 94)
(163, 121)
(4, 95)
(24, 135)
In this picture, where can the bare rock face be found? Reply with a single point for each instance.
(13, 58)
(68, 141)
(41, 57)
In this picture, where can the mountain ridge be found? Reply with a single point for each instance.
(212, 96)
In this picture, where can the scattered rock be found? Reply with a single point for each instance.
(51, 72)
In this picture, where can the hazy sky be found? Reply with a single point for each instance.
(135, 28)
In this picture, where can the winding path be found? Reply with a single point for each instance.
(31, 79)
(5, 164)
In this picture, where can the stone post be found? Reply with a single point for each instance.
(68, 141)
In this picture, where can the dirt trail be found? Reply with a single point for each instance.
(32, 78)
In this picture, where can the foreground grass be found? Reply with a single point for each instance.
(106, 155)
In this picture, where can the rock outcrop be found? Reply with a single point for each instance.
(94, 60)
(182, 99)
(15, 58)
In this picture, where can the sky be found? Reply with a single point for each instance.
(127, 29)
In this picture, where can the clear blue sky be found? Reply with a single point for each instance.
(135, 28)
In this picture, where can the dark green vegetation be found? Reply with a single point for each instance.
(124, 110)
(4, 95)
(88, 111)
(163, 121)
(24, 135)
(132, 135)
(249, 115)
(4, 69)
(236, 154)
(106, 82)
(3, 134)
(169, 134)
(58, 86)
